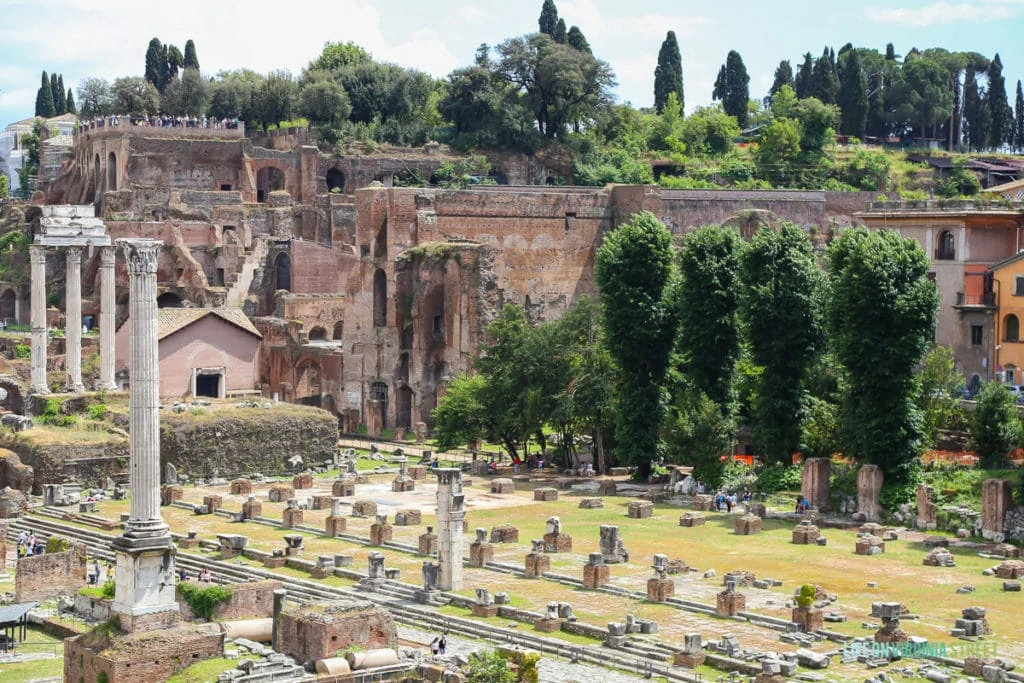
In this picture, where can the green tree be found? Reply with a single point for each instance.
(881, 297)
(938, 396)
(69, 101)
(190, 60)
(4, 187)
(577, 40)
(821, 429)
(60, 98)
(336, 56)
(322, 100)
(995, 427)
(824, 82)
(802, 82)
(708, 340)
(668, 74)
(57, 93)
(778, 150)
(561, 34)
(233, 94)
(1018, 129)
(274, 100)
(186, 96)
(156, 71)
(384, 92)
(708, 131)
(134, 96)
(783, 76)
(853, 97)
(920, 97)
(781, 309)
(977, 119)
(732, 87)
(175, 61)
(634, 275)
(698, 433)
(998, 108)
(460, 417)
(559, 85)
(44, 99)
(548, 21)
(488, 666)
(96, 98)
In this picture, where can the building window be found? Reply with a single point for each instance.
(1011, 328)
(976, 335)
(947, 246)
(1018, 286)
(438, 324)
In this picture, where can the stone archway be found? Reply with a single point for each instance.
(318, 334)
(339, 328)
(11, 397)
(168, 300)
(268, 179)
(335, 180)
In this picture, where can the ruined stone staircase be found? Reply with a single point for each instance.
(239, 282)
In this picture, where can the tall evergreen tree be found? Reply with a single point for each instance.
(548, 21)
(156, 64)
(977, 120)
(997, 105)
(876, 124)
(824, 81)
(561, 34)
(802, 82)
(70, 103)
(1018, 124)
(44, 99)
(191, 60)
(783, 76)
(890, 53)
(668, 75)
(732, 87)
(853, 98)
(577, 40)
(56, 92)
(62, 105)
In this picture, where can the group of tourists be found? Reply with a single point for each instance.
(164, 121)
(28, 544)
(438, 645)
(724, 502)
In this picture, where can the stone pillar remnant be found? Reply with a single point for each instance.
(869, 487)
(107, 305)
(73, 320)
(814, 483)
(450, 516)
(37, 259)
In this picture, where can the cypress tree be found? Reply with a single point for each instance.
(191, 60)
(156, 63)
(561, 34)
(876, 123)
(853, 98)
(976, 115)
(824, 82)
(783, 76)
(732, 87)
(1018, 132)
(577, 40)
(890, 53)
(668, 75)
(44, 99)
(548, 21)
(62, 106)
(802, 82)
(56, 92)
(70, 103)
(997, 104)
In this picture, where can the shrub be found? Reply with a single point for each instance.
(202, 601)
(779, 478)
(97, 411)
(56, 544)
(489, 667)
(23, 351)
(806, 597)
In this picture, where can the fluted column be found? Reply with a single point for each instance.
(73, 320)
(107, 304)
(144, 398)
(37, 257)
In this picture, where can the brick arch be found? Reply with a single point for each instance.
(258, 168)
(14, 401)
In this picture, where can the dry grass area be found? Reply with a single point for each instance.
(927, 591)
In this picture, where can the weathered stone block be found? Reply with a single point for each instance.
(321, 502)
(410, 517)
(302, 481)
(595, 576)
(557, 543)
(274, 562)
(811, 618)
(607, 487)
(241, 487)
(280, 493)
(537, 564)
(380, 532)
(334, 526)
(747, 525)
(343, 487)
(869, 487)
(403, 484)
(660, 590)
(481, 553)
(504, 533)
(171, 494)
(814, 481)
(591, 503)
(689, 660)
(806, 534)
(503, 486)
(870, 545)
(485, 611)
(291, 518)
(640, 509)
(547, 625)
(690, 519)
(364, 508)
(702, 503)
(545, 494)
(428, 544)
(730, 603)
(251, 509)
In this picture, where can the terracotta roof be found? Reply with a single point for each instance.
(63, 117)
(1012, 185)
(171, 320)
(26, 122)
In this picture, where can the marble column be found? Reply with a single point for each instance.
(451, 514)
(107, 305)
(144, 597)
(73, 320)
(37, 257)
(144, 397)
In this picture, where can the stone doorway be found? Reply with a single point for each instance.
(208, 382)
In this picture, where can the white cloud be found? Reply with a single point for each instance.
(472, 11)
(598, 24)
(943, 13)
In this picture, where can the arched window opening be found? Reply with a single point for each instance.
(380, 299)
(283, 272)
(111, 172)
(335, 181)
(1011, 328)
(317, 334)
(947, 246)
(168, 300)
(339, 329)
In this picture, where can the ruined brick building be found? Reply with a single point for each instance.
(370, 298)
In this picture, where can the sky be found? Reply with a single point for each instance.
(108, 38)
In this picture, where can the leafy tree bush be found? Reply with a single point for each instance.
(202, 601)
(488, 666)
(995, 427)
(776, 478)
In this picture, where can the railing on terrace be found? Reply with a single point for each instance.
(124, 126)
(988, 299)
(947, 205)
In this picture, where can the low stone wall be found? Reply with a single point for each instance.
(250, 600)
(40, 577)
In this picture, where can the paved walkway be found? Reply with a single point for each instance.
(552, 669)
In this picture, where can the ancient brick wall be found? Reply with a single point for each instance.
(319, 631)
(150, 656)
(317, 269)
(251, 600)
(40, 577)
